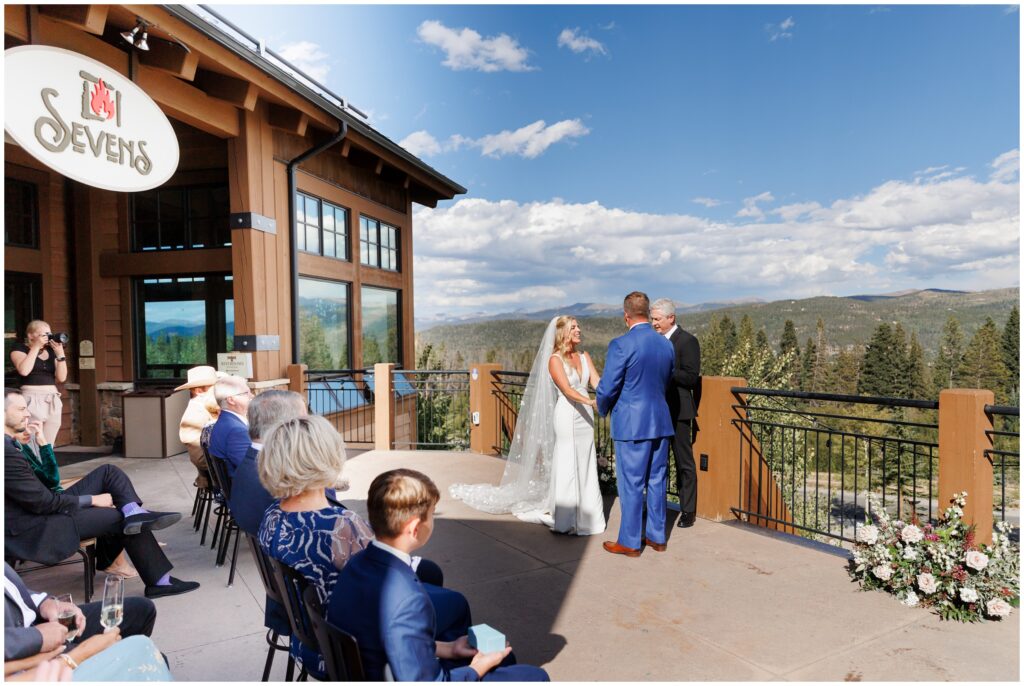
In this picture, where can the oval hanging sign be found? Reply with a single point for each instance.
(85, 120)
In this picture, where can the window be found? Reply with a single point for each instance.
(181, 322)
(321, 228)
(23, 302)
(181, 218)
(323, 324)
(381, 326)
(21, 214)
(378, 244)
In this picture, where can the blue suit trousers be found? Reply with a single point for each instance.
(640, 463)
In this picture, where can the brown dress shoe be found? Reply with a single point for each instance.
(660, 547)
(614, 547)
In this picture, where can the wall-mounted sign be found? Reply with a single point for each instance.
(236, 364)
(85, 348)
(85, 120)
(87, 363)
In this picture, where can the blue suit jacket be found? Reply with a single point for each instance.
(249, 499)
(637, 371)
(380, 601)
(229, 440)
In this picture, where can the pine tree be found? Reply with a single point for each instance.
(313, 348)
(712, 348)
(899, 354)
(879, 373)
(746, 335)
(807, 366)
(949, 356)
(789, 341)
(915, 373)
(730, 340)
(819, 373)
(761, 340)
(844, 373)
(982, 365)
(1011, 352)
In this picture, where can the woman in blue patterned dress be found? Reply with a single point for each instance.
(300, 459)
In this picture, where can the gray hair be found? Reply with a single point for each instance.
(665, 306)
(301, 454)
(227, 387)
(271, 407)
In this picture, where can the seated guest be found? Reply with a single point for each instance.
(229, 439)
(202, 409)
(300, 459)
(47, 527)
(382, 604)
(39, 453)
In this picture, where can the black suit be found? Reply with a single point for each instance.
(47, 527)
(683, 399)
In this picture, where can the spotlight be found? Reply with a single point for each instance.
(131, 36)
(142, 44)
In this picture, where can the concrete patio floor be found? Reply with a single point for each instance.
(724, 602)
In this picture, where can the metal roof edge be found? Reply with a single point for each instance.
(185, 14)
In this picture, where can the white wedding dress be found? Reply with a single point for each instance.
(550, 473)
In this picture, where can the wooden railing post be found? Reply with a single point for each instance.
(297, 378)
(483, 426)
(383, 405)
(963, 465)
(718, 486)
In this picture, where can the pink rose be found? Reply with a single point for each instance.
(976, 560)
(997, 607)
(927, 583)
(883, 572)
(911, 534)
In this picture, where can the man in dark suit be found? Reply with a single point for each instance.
(47, 527)
(636, 375)
(229, 439)
(683, 398)
(31, 626)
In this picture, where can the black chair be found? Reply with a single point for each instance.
(222, 480)
(292, 586)
(87, 551)
(339, 648)
(266, 569)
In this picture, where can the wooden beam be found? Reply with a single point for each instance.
(405, 183)
(59, 35)
(172, 58)
(288, 119)
(237, 92)
(16, 22)
(91, 18)
(164, 263)
(346, 146)
(401, 164)
(187, 103)
(379, 168)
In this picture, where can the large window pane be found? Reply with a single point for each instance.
(23, 302)
(180, 218)
(323, 324)
(21, 214)
(181, 322)
(381, 326)
(320, 227)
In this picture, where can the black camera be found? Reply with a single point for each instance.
(61, 338)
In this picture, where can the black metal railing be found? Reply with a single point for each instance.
(507, 388)
(431, 409)
(344, 397)
(1005, 457)
(807, 460)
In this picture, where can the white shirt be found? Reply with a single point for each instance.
(412, 561)
(257, 446)
(668, 334)
(28, 614)
(242, 417)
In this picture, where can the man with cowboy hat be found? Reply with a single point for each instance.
(202, 410)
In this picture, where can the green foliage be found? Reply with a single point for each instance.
(880, 372)
(982, 365)
(1011, 352)
(915, 373)
(313, 349)
(949, 357)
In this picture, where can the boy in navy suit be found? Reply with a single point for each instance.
(380, 601)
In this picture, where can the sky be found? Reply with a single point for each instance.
(702, 153)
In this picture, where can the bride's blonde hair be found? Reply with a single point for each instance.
(562, 335)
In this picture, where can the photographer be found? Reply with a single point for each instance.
(41, 364)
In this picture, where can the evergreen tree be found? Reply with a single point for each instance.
(712, 348)
(746, 334)
(807, 366)
(915, 373)
(844, 373)
(313, 349)
(982, 365)
(879, 374)
(1011, 352)
(899, 353)
(761, 340)
(789, 342)
(819, 373)
(949, 356)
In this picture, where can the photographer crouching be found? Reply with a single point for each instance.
(41, 364)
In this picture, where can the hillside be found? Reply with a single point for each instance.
(848, 321)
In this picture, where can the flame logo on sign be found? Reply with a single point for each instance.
(100, 103)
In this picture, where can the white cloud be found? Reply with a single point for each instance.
(1006, 166)
(579, 43)
(308, 57)
(529, 141)
(750, 208)
(783, 29)
(466, 49)
(1011, 9)
(707, 202)
(960, 233)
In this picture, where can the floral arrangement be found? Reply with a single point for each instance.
(939, 566)
(606, 473)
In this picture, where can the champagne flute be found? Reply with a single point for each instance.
(67, 615)
(112, 610)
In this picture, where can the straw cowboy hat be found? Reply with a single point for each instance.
(201, 376)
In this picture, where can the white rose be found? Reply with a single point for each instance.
(911, 534)
(968, 595)
(997, 607)
(926, 582)
(867, 534)
(977, 560)
(883, 572)
(909, 553)
(911, 599)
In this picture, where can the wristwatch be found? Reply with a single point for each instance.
(61, 359)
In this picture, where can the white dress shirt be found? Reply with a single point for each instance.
(668, 334)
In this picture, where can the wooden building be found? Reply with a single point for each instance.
(285, 230)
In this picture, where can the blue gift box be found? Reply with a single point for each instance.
(485, 639)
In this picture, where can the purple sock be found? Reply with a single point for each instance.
(133, 509)
(165, 580)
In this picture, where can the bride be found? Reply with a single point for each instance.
(551, 471)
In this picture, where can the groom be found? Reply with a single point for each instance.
(636, 373)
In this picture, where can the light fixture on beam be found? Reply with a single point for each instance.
(134, 37)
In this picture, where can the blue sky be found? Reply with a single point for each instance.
(700, 153)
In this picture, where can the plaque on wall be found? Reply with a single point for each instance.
(236, 364)
(87, 363)
(85, 349)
